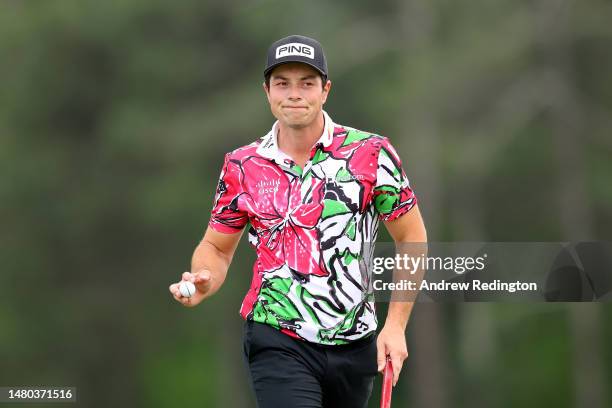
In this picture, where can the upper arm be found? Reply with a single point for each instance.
(228, 215)
(408, 228)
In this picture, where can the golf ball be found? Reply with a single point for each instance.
(187, 289)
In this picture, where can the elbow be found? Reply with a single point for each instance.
(206, 245)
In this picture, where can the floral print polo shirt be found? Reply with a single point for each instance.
(313, 228)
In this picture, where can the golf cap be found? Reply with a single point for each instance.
(296, 48)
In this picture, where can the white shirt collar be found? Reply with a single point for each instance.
(269, 145)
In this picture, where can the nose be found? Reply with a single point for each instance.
(294, 93)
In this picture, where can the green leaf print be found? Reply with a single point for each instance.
(319, 157)
(349, 257)
(274, 306)
(333, 207)
(343, 175)
(355, 135)
(328, 335)
(385, 203)
(351, 230)
(297, 169)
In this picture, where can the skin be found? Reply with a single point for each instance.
(296, 96)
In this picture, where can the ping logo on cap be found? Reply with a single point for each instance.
(299, 49)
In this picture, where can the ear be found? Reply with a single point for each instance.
(326, 90)
(266, 90)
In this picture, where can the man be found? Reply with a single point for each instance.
(313, 192)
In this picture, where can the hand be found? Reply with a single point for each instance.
(201, 280)
(391, 342)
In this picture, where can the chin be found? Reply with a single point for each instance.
(297, 123)
(293, 124)
(297, 126)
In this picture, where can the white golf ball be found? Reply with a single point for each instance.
(187, 289)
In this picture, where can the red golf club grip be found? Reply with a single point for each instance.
(387, 387)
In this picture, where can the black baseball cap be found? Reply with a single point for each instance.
(296, 48)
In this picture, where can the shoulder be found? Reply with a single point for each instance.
(243, 152)
(349, 137)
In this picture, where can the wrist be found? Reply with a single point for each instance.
(394, 325)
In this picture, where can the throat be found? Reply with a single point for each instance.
(299, 156)
(298, 144)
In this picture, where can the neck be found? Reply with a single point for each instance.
(299, 141)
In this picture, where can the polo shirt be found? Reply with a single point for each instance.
(313, 228)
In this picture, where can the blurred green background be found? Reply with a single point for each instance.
(114, 117)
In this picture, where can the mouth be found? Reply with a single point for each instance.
(295, 107)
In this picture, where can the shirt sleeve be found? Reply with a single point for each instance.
(227, 215)
(392, 194)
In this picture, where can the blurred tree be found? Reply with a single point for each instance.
(114, 117)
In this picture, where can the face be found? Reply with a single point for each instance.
(296, 94)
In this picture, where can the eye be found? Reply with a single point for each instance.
(308, 84)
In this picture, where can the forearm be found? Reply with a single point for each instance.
(402, 302)
(399, 314)
(207, 257)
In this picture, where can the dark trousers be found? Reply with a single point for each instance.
(290, 373)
